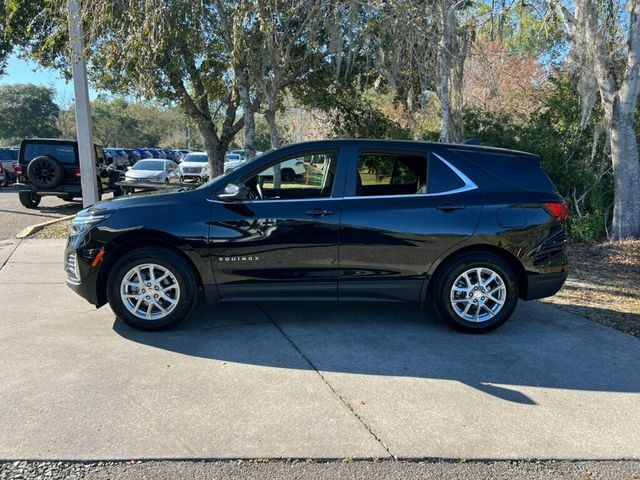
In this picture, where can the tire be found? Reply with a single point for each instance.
(29, 199)
(164, 260)
(45, 172)
(477, 319)
(287, 175)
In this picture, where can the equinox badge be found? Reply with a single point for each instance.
(239, 259)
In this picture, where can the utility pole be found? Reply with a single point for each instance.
(86, 151)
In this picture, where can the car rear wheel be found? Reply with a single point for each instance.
(29, 199)
(152, 289)
(475, 293)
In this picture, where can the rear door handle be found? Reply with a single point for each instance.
(449, 207)
(318, 212)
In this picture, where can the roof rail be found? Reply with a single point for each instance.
(473, 141)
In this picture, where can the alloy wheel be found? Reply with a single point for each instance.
(478, 294)
(150, 291)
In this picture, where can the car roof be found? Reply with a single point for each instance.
(378, 143)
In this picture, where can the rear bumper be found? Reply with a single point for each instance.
(75, 189)
(543, 285)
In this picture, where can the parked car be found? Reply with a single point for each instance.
(9, 156)
(118, 157)
(133, 155)
(52, 167)
(3, 176)
(231, 161)
(195, 166)
(465, 228)
(144, 153)
(289, 170)
(160, 171)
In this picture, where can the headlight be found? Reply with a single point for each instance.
(84, 220)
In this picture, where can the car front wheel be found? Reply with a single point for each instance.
(152, 289)
(476, 292)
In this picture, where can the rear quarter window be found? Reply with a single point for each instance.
(520, 171)
(61, 152)
(440, 178)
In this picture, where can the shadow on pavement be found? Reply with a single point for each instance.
(540, 346)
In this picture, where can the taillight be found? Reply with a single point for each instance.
(17, 168)
(76, 172)
(558, 210)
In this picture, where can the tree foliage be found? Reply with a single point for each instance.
(27, 111)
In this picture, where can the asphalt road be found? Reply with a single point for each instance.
(14, 217)
(343, 470)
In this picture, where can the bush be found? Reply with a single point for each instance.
(590, 228)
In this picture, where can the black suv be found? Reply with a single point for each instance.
(52, 167)
(468, 229)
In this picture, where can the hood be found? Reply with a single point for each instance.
(137, 174)
(146, 199)
(194, 164)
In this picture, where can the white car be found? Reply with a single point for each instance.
(289, 170)
(195, 166)
(231, 161)
(154, 170)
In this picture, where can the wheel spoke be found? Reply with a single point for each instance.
(490, 279)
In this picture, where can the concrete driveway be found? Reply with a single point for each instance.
(302, 380)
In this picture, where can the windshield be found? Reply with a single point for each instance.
(148, 165)
(196, 157)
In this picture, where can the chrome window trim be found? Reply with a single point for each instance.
(468, 186)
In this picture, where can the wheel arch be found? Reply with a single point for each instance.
(134, 240)
(504, 254)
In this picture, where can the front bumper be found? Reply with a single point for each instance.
(82, 277)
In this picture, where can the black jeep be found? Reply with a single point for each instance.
(52, 167)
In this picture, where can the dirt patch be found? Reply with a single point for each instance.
(604, 284)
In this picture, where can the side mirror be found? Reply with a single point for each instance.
(233, 192)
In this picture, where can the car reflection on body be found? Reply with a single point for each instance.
(160, 171)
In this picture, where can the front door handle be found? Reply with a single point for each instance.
(318, 212)
(449, 207)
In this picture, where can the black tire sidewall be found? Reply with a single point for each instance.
(58, 178)
(450, 273)
(29, 199)
(168, 259)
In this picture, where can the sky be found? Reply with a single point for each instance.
(26, 71)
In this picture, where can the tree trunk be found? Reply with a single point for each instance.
(249, 114)
(213, 149)
(445, 47)
(270, 116)
(626, 175)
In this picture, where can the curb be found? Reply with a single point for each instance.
(28, 231)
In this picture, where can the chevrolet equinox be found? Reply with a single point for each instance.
(468, 229)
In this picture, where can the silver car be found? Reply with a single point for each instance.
(154, 170)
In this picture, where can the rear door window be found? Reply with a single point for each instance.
(64, 153)
(390, 174)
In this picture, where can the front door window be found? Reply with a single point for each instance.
(301, 177)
